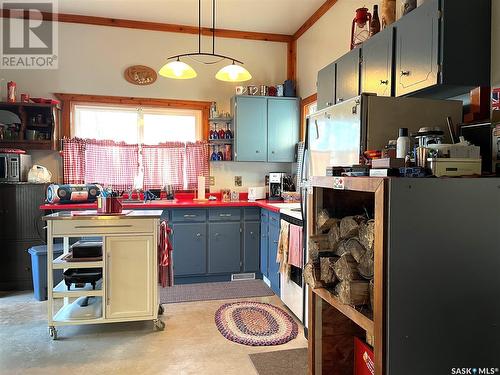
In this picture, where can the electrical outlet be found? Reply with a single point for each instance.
(237, 181)
(212, 180)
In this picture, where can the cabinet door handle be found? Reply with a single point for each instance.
(103, 226)
(405, 72)
(257, 151)
(225, 215)
(216, 235)
(328, 104)
(189, 216)
(198, 235)
(272, 152)
(384, 82)
(251, 233)
(108, 289)
(275, 241)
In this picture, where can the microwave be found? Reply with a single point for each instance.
(14, 167)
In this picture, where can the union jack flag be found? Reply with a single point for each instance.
(495, 99)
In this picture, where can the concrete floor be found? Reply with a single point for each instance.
(190, 344)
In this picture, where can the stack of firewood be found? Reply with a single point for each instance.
(341, 258)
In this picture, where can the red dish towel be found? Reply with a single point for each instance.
(165, 264)
(295, 248)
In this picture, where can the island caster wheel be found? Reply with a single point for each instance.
(53, 332)
(161, 309)
(158, 324)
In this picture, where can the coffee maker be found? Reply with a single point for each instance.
(276, 180)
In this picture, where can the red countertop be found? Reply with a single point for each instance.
(165, 205)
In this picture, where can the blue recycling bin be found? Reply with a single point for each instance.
(39, 269)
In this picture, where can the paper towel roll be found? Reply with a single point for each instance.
(201, 187)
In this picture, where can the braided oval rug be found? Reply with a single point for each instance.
(255, 323)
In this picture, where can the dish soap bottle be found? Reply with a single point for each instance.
(403, 143)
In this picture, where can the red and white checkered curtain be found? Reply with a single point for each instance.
(111, 164)
(163, 164)
(196, 163)
(74, 160)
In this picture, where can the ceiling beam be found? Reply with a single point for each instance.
(315, 17)
(157, 26)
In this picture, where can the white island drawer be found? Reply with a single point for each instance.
(102, 226)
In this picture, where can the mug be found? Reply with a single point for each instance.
(279, 90)
(241, 90)
(253, 90)
(263, 90)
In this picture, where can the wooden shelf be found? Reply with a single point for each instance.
(61, 290)
(221, 119)
(367, 184)
(361, 320)
(221, 141)
(59, 264)
(25, 144)
(22, 104)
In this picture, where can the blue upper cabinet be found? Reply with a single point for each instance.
(282, 129)
(250, 116)
(266, 128)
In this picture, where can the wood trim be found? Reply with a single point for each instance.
(69, 100)
(380, 277)
(311, 333)
(314, 18)
(291, 63)
(303, 104)
(157, 26)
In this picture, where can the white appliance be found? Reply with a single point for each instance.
(257, 192)
(292, 288)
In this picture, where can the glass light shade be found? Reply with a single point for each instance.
(233, 73)
(177, 70)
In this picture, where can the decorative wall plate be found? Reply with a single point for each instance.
(140, 75)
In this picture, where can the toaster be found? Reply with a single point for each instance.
(255, 193)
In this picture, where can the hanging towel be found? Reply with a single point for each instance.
(295, 247)
(165, 264)
(282, 254)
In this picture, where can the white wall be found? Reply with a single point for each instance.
(325, 41)
(253, 174)
(92, 60)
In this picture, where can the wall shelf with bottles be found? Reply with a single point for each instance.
(37, 129)
(221, 138)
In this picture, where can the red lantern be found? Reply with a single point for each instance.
(360, 31)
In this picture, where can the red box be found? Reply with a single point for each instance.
(363, 358)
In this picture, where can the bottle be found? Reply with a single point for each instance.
(213, 110)
(375, 24)
(403, 143)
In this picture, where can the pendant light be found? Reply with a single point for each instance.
(177, 69)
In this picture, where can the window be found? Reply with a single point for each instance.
(136, 145)
(150, 126)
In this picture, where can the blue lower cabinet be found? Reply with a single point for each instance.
(273, 268)
(264, 243)
(190, 248)
(251, 239)
(224, 247)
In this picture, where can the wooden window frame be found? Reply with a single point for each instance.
(68, 102)
(304, 103)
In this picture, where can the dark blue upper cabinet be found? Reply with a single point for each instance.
(266, 128)
(326, 87)
(443, 48)
(190, 248)
(250, 116)
(224, 246)
(347, 82)
(376, 64)
(282, 129)
(417, 49)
